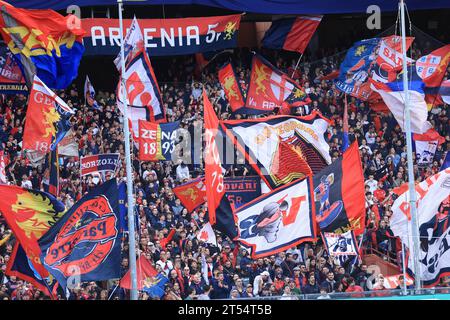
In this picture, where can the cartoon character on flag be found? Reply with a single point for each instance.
(327, 212)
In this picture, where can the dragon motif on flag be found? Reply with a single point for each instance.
(32, 212)
(261, 75)
(229, 83)
(229, 30)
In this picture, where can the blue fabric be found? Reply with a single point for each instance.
(357, 59)
(276, 35)
(156, 287)
(260, 6)
(86, 239)
(446, 162)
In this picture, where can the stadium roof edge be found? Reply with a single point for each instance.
(259, 6)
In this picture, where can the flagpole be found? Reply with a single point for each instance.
(411, 187)
(404, 269)
(126, 129)
(296, 66)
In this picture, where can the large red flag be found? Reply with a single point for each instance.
(232, 89)
(191, 194)
(215, 188)
(30, 214)
(47, 120)
(144, 270)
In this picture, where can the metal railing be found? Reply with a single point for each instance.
(391, 294)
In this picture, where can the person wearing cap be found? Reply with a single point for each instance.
(260, 281)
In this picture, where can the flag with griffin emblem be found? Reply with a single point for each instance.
(47, 119)
(232, 89)
(30, 214)
(269, 88)
(282, 148)
(192, 194)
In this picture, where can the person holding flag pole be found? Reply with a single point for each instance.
(126, 129)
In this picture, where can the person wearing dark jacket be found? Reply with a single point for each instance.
(221, 290)
(311, 287)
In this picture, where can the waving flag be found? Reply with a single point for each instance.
(231, 87)
(339, 194)
(432, 67)
(433, 210)
(89, 94)
(446, 163)
(143, 95)
(86, 239)
(393, 96)
(47, 119)
(52, 164)
(148, 279)
(44, 43)
(207, 235)
(215, 189)
(30, 214)
(275, 146)
(362, 58)
(133, 43)
(157, 141)
(12, 80)
(278, 220)
(340, 246)
(68, 146)
(425, 145)
(99, 163)
(192, 194)
(354, 70)
(291, 34)
(19, 265)
(444, 91)
(269, 88)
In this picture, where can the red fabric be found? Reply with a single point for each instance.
(167, 239)
(353, 194)
(301, 32)
(213, 169)
(143, 270)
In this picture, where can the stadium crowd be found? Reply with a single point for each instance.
(168, 232)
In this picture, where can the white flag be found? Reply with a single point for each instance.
(207, 234)
(132, 43)
(433, 205)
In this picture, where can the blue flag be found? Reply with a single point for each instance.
(354, 69)
(86, 240)
(20, 266)
(48, 44)
(155, 287)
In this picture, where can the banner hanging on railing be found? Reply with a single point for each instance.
(165, 37)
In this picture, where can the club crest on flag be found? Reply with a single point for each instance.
(426, 65)
(96, 223)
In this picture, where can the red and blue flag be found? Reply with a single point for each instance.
(86, 240)
(291, 34)
(44, 43)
